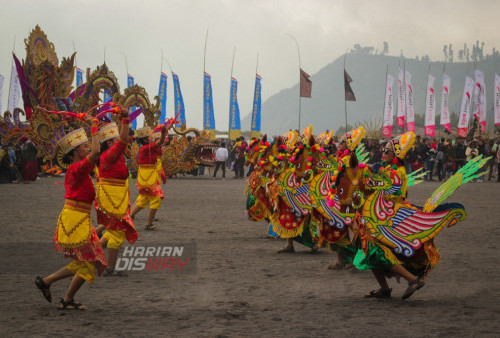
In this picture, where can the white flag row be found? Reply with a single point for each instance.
(474, 92)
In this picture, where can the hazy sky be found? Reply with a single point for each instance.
(324, 29)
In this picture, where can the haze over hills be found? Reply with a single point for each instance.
(325, 110)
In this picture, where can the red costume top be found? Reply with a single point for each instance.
(81, 243)
(78, 184)
(241, 149)
(112, 162)
(112, 166)
(148, 158)
(148, 154)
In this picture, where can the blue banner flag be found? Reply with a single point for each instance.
(234, 111)
(162, 94)
(106, 96)
(79, 77)
(130, 80)
(208, 103)
(257, 99)
(179, 102)
(130, 83)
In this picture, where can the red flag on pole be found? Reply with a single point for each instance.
(305, 84)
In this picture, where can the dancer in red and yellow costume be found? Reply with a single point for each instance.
(112, 191)
(75, 236)
(149, 175)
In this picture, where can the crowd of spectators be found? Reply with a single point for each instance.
(442, 157)
(439, 157)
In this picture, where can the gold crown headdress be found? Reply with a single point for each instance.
(108, 131)
(143, 132)
(72, 140)
(353, 137)
(402, 143)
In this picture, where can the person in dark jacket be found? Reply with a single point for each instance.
(460, 157)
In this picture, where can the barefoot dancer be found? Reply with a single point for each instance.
(112, 191)
(148, 176)
(75, 236)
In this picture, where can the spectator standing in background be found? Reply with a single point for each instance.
(221, 155)
(30, 163)
(460, 157)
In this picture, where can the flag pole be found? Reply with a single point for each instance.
(345, 101)
(404, 108)
(385, 94)
(300, 67)
(257, 66)
(74, 51)
(168, 64)
(230, 82)
(161, 62)
(126, 65)
(204, 64)
(11, 65)
(442, 85)
(425, 96)
(205, 53)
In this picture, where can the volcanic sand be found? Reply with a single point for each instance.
(241, 285)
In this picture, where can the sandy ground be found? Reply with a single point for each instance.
(241, 286)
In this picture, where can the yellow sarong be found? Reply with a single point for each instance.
(148, 176)
(113, 196)
(73, 226)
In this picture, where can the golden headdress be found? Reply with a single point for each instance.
(308, 131)
(354, 137)
(143, 132)
(108, 132)
(72, 140)
(155, 136)
(402, 143)
(291, 138)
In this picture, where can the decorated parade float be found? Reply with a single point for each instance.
(52, 106)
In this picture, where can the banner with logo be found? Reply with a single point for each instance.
(388, 112)
(234, 111)
(410, 113)
(257, 103)
(496, 102)
(14, 90)
(1, 92)
(480, 99)
(445, 102)
(79, 77)
(162, 94)
(463, 121)
(179, 102)
(401, 99)
(130, 83)
(430, 108)
(208, 103)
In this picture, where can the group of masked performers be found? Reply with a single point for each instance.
(304, 187)
(75, 236)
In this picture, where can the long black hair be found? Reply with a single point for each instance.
(142, 141)
(68, 157)
(104, 148)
